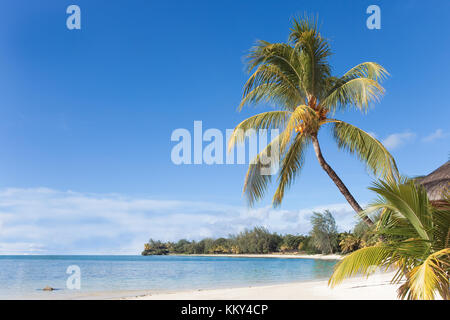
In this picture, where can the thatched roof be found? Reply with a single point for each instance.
(437, 182)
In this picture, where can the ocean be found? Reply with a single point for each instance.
(24, 277)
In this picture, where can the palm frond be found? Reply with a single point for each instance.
(441, 226)
(291, 165)
(256, 183)
(366, 147)
(277, 65)
(429, 277)
(409, 202)
(274, 85)
(313, 52)
(265, 120)
(362, 261)
(369, 70)
(357, 92)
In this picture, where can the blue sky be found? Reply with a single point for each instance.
(86, 115)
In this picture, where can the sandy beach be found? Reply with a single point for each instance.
(376, 287)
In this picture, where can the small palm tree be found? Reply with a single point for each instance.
(349, 243)
(416, 242)
(296, 78)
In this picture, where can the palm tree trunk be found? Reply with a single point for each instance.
(338, 182)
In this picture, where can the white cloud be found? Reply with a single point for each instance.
(397, 139)
(65, 222)
(438, 134)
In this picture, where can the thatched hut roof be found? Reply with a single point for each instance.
(437, 182)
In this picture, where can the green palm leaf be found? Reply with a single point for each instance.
(313, 52)
(265, 120)
(416, 241)
(357, 92)
(369, 70)
(362, 262)
(429, 277)
(366, 147)
(271, 85)
(409, 202)
(256, 183)
(291, 165)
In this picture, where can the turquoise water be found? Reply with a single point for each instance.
(24, 276)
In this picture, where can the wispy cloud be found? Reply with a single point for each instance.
(395, 140)
(438, 134)
(47, 221)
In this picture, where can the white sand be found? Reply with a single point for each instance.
(376, 287)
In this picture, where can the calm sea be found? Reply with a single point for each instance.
(116, 276)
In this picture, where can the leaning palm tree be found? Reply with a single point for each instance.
(295, 78)
(416, 242)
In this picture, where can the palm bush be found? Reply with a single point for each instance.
(296, 79)
(349, 243)
(416, 242)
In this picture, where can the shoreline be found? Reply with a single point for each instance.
(376, 287)
(268, 255)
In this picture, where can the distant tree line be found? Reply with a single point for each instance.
(323, 238)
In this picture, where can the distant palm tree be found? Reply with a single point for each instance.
(416, 242)
(324, 231)
(296, 78)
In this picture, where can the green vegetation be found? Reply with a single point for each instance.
(322, 239)
(416, 241)
(295, 78)
(324, 232)
(155, 248)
